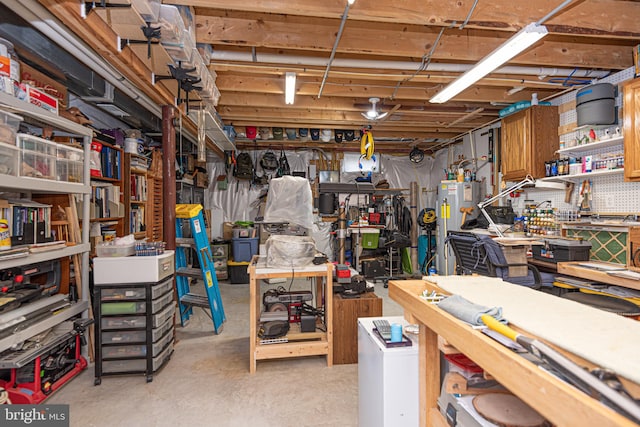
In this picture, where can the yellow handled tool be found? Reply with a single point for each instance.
(617, 399)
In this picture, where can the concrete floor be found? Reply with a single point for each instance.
(207, 382)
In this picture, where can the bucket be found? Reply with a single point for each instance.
(327, 203)
(131, 145)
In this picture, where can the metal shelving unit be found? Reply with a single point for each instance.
(40, 117)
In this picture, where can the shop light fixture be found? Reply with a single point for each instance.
(522, 40)
(289, 87)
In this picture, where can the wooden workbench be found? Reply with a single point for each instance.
(556, 400)
(573, 268)
(300, 343)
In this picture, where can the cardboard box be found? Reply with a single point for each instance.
(201, 180)
(40, 99)
(36, 79)
(227, 231)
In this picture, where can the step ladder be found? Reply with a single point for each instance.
(200, 242)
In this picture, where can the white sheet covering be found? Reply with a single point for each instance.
(606, 339)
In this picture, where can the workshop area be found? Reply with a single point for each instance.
(299, 213)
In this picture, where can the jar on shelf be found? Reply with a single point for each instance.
(9, 67)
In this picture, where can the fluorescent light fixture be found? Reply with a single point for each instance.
(290, 87)
(522, 40)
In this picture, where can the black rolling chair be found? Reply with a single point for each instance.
(482, 255)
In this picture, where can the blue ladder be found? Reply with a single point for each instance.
(187, 300)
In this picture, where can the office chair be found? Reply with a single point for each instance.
(482, 255)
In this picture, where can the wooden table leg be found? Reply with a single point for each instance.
(328, 311)
(429, 369)
(253, 319)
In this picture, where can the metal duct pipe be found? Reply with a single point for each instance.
(342, 233)
(335, 48)
(40, 18)
(219, 55)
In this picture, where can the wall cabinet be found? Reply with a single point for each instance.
(632, 130)
(529, 138)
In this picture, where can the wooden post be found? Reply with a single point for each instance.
(414, 227)
(169, 175)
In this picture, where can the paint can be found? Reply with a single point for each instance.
(5, 236)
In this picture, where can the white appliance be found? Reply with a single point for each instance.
(387, 379)
(457, 195)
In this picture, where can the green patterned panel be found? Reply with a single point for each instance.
(606, 246)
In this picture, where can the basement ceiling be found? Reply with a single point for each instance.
(403, 52)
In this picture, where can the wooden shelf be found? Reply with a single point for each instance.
(599, 172)
(605, 143)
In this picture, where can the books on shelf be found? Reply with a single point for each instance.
(105, 201)
(137, 219)
(29, 222)
(138, 188)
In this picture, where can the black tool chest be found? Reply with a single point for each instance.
(134, 327)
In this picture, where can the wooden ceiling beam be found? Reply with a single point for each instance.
(468, 45)
(249, 84)
(333, 118)
(453, 109)
(373, 75)
(614, 18)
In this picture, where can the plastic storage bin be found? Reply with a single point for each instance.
(108, 249)
(128, 322)
(133, 269)
(161, 302)
(244, 248)
(122, 337)
(136, 365)
(132, 307)
(69, 164)
(149, 10)
(123, 294)
(238, 272)
(124, 351)
(163, 316)
(220, 249)
(370, 240)
(9, 124)
(37, 157)
(9, 159)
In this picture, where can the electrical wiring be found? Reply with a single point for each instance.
(367, 145)
(570, 80)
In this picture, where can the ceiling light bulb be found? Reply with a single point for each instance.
(351, 2)
(372, 114)
(290, 87)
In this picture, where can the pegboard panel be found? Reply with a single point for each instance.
(570, 116)
(610, 195)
